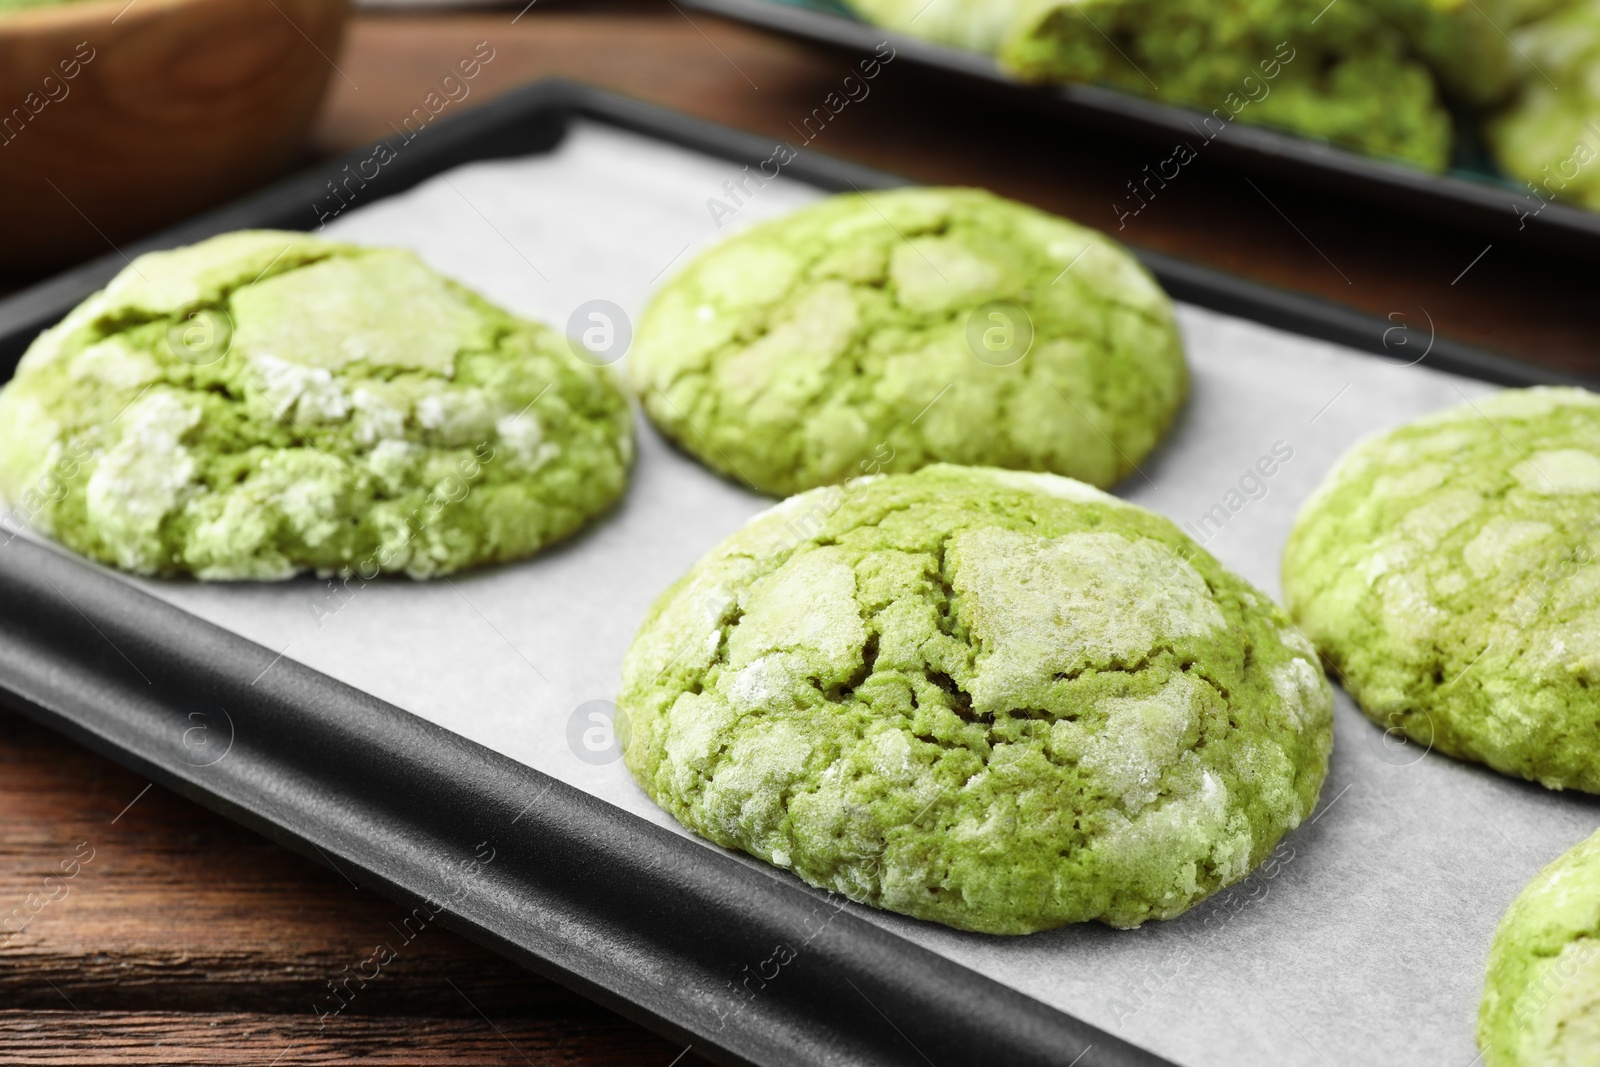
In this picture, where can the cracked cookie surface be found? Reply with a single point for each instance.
(1447, 571)
(838, 341)
(264, 403)
(1541, 990)
(999, 700)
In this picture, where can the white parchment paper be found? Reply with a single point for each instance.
(1366, 941)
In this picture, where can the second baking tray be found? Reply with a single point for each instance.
(427, 738)
(1471, 197)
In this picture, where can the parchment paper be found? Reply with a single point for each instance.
(1365, 941)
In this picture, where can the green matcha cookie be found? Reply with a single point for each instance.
(1550, 136)
(885, 331)
(1541, 996)
(1447, 570)
(999, 700)
(976, 25)
(1461, 41)
(1350, 77)
(265, 403)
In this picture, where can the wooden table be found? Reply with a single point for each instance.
(186, 939)
(181, 938)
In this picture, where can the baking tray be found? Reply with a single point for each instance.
(1468, 195)
(612, 902)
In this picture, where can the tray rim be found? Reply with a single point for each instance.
(1446, 196)
(56, 671)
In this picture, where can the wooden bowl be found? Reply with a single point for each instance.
(116, 118)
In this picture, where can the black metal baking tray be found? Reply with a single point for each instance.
(642, 920)
(1469, 197)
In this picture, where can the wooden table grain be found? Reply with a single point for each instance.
(181, 938)
(138, 928)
